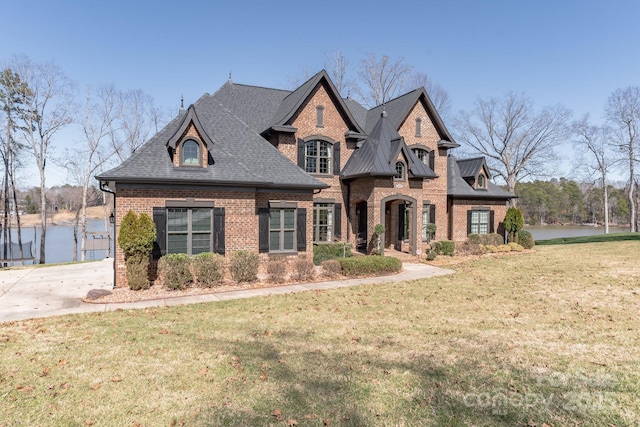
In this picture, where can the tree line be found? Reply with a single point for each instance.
(38, 101)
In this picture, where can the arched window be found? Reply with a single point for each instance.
(190, 153)
(400, 172)
(482, 181)
(317, 156)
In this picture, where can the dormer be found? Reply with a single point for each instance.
(190, 146)
(475, 172)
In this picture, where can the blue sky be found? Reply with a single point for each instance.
(570, 52)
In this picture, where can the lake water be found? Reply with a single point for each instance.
(543, 232)
(59, 243)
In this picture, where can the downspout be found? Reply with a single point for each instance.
(108, 190)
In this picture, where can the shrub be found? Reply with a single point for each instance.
(526, 239)
(331, 268)
(488, 249)
(486, 239)
(135, 238)
(137, 269)
(378, 231)
(325, 251)
(431, 231)
(513, 222)
(208, 269)
(369, 265)
(503, 248)
(175, 271)
(244, 266)
(468, 248)
(516, 247)
(445, 247)
(277, 270)
(431, 255)
(304, 269)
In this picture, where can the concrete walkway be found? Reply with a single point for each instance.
(58, 290)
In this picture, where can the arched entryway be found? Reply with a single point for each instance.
(398, 213)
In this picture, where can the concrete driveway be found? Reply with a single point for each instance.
(55, 290)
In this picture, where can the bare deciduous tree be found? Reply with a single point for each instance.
(592, 142)
(50, 109)
(137, 118)
(623, 115)
(382, 79)
(337, 65)
(439, 96)
(516, 140)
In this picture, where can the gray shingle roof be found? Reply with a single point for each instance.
(469, 168)
(378, 153)
(240, 156)
(458, 187)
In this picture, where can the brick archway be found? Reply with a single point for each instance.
(413, 218)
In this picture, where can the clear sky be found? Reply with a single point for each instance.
(570, 52)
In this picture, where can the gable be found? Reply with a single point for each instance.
(427, 135)
(333, 123)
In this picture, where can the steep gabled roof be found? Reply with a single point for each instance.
(469, 168)
(187, 120)
(399, 108)
(292, 103)
(378, 153)
(457, 186)
(241, 157)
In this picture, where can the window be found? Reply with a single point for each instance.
(399, 176)
(423, 155)
(189, 230)
(418, 127)
(428, 214)
(479, 222)
(320, 116)
(190, 153)
(317, 155)
(482, 181)
(282, 230)
(322, 222)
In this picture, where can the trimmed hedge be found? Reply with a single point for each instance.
(244, 266)
(369, 265)
(175, 270)
(526, 239)
(494, 239)
(325, 251)
(445, 247)
(208, 269)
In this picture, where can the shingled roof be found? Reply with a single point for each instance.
(378, 153)
(469, 168)
(240, 156)
(457, 186)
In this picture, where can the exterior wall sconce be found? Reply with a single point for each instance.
(112, 218)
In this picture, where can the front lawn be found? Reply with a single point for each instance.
(549, 337)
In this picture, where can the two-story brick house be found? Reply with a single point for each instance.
(275, 172)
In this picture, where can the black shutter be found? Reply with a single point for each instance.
(469, 213)
(218, 230)
(432, 160)
(160, 219)
(337, 221)
(491, 219)
(263, 230)
(301, 232)
(301, 153)
(432, 214)
(401, 209)
(336, 158)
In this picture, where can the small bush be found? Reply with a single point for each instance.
(468, 248)
(331, 268)
(445, 247)
(244, 266)
(486, 239)
(277, 270)
(369, 265)
(325, 251)
(526, 239)
(488, 249)
(208, 269)
(431, 255)
(137, 271)
(175, 271)
(503, 248)
(303, 270)
(515, 247)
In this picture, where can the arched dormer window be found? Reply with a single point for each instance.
(482, 181)
(418, 127)
(190, 153)
(400, 172)
(317, 156)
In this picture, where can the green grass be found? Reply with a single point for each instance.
(518, 340)
(598, 238)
